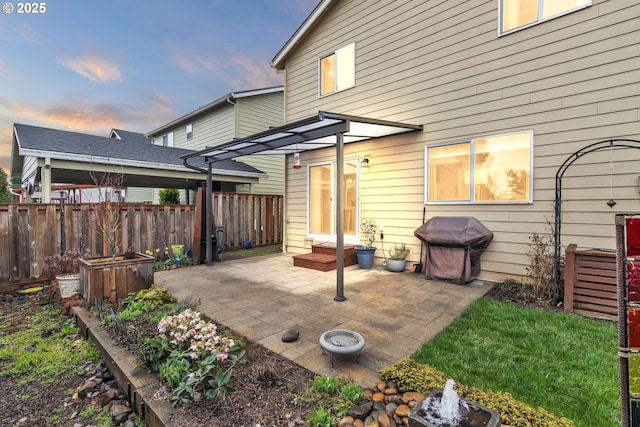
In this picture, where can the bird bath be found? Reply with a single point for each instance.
(341, 341)
(443, 408)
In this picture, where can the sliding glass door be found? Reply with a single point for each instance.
(322, 208)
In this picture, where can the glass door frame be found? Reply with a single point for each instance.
(332, 237)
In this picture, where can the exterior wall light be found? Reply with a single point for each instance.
(364, 163)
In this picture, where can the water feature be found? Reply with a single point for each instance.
(444, 408)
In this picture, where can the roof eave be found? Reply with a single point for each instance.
(214, 104)
(278, 61)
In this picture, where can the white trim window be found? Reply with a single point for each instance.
(337, 70)
(518, 14)
(189, 131)
(490, 169)
(321, 199)
(167, 140)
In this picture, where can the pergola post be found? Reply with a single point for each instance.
(340, 217)
(209, 225)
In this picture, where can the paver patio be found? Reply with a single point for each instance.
(262, 297)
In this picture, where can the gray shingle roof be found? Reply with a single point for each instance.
(62, 144)
(129, 136)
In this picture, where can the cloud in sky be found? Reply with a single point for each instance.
(94, 68)
(238, 70)
(254, 75)
(31, 35)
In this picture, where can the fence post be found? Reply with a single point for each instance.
(569, 277)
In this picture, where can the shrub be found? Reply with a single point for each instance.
(67, 263)
(169, 196)
(199, 363)
(423, 378)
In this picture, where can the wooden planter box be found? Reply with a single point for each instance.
(590, 284)
(104, 279)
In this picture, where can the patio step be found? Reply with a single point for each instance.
(323, 257)
(315, 261)
(328, 248)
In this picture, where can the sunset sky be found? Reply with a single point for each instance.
(90, 66)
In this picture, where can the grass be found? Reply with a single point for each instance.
(42, 346)
(251, 252)
(564, 363)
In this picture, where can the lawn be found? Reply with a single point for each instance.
(565, 363)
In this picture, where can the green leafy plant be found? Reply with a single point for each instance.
(326, 384)
(351, 392)
(321, 417)
(169, 196)
(399, 252)
(200, 361)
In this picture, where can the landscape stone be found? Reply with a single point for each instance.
(290, 336)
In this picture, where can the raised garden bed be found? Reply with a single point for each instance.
(110, 280)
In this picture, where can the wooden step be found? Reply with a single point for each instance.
(315, 261)
(329, 248)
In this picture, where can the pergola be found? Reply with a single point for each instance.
(320, 131)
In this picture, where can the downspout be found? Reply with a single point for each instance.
(18, 195)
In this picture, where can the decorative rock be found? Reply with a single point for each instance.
(384, 420)
(346, 421)
(390, 390)
(361, 411)
(381, 385)
(358, 423)
(378, 406)
(403, 411)
(412, 396)
(378, 397)
(391, 407)
(371, 424)
(290, 336)
(367, 392)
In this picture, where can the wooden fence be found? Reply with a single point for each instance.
(247, 217)
(31, 232)
(590, 285)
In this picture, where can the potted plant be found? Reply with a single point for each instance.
(66, 270)
(397, 258)
(366, 252)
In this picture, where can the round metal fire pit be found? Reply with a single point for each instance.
(341, 341)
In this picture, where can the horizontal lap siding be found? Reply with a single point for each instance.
(572, 80)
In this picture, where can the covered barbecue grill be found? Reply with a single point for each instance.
(453, 247)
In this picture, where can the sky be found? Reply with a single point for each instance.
(93, 65)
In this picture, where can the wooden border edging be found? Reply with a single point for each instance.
(133, 380)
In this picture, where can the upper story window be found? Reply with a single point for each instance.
(337, 70)
(516, 14)
(167, 140)
(492, 169)
(189, 131)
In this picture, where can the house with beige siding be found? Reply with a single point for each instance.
(234, 115)
(506, 92)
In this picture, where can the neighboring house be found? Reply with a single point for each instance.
(506, 92)
(234, 115)
(42, 157)
(134, 194)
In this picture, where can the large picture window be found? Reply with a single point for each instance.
(492, 169)
(337, 70)
(321, 210)
(515, 14)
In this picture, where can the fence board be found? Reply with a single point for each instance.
(31, 232)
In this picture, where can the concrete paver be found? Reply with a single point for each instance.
(262, 297)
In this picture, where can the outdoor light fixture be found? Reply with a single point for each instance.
(364, 163)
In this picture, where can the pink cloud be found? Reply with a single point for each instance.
(94, 68)
(254, 75)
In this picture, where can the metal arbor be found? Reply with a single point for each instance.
(597, 146)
